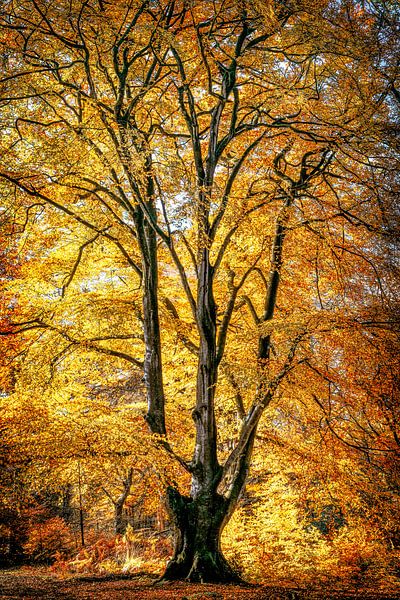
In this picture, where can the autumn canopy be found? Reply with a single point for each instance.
(199, 269)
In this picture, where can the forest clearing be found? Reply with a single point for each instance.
(199, 298)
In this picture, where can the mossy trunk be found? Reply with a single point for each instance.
(198, 525)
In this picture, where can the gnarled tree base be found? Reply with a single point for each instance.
(197, 556)
(205, 567)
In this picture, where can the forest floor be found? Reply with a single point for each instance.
(30, 583)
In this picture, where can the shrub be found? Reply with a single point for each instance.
(137, 550)
(48, 540)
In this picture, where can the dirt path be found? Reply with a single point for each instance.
(31, 584)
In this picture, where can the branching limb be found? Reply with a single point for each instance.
(32, 191)
(89, 344)
(264, 395)
(230, 182)
(252, 309)
(234, 289)
(238, 395)
(77, 263)
(193, 349)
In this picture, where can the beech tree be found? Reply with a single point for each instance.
(225, 157)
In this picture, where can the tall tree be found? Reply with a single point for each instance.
(228, 153)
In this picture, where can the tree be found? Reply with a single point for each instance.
(224, 156)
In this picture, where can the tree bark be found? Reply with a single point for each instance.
(205, 461)
(119, 523)
(197, 554)
(151, 323)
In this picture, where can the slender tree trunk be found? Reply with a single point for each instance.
(66, 510)
(206, 469)
(151, 324)
(81, 513)
(119, 522)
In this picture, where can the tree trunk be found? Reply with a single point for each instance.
(66, 510)
(197, 554)
(151, 324)
(200, 518)
(119, 522)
